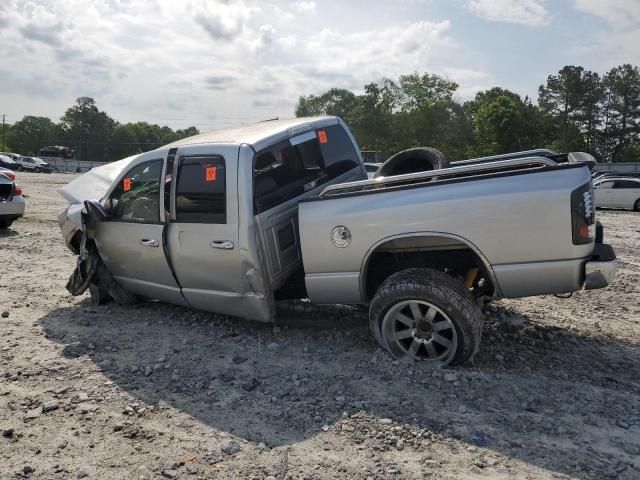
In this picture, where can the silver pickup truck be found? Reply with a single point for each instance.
(233, 220)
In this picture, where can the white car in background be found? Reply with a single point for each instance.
(11, 199)
(33, 164)
(617, 192)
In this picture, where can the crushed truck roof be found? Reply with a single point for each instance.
(96, 182)
(249, 134)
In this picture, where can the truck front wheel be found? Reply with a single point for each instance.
(428, 315)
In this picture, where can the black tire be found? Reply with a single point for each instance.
(413, 160)
(107, 284)
(19, 168)
(636, 206)
(37, 169)
(5, 222)
(433, 288)
(99, 295)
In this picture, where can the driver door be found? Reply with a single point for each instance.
(131, 242)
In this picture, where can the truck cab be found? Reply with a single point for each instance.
(211, 221)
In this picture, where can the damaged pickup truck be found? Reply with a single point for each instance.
(233, 220)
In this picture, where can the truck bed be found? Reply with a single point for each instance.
(514, 213)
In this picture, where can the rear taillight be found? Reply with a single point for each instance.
(10, 175)
(17, 191)
(583, 215)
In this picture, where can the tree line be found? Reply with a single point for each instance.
(577, 110)
(92, 133)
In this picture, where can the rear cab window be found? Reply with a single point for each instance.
(290, 168)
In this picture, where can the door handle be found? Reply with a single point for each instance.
(149, 242)
(222, 244)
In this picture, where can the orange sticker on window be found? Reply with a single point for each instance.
(210, 174)
(126, 183)
(322, 136)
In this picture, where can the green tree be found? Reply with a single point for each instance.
(622, 117)
(504, 122)
(88, 129)
(562, 97)
(371, 118)
(32, 133)
(6, 138)
(337, 101)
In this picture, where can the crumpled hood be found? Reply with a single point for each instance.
(94, 184)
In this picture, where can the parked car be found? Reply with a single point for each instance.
(11, 199)
(33, 164)
(599, 175)
(8, 162)
(617, 192)
(56, 151)
(232, 220)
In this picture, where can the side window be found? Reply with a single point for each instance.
(626, 184)
(604, 185)
(288, 169)
(137, 196)
(201, 190)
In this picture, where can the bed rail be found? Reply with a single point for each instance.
(459, 168)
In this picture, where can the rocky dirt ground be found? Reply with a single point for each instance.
(155, 391)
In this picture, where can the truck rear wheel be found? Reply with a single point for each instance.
(428, 315)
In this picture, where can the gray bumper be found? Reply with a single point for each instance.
(601, 269)
(13, 207)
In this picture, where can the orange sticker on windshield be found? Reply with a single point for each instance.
(322, 136)
(210, 174)
(126, 183)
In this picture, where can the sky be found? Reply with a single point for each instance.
(217, 63)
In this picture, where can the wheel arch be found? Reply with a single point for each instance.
(422, 242)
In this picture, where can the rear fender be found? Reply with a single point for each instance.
(432, 236)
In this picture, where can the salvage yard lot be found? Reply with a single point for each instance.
(156, 389)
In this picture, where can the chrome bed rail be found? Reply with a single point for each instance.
(538, 152)
(459, 168)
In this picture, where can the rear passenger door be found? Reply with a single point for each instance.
(203, 228)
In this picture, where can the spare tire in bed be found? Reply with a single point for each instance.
(413, 160)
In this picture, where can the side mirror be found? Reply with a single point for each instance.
(95, 211)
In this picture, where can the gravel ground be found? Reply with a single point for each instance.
(158, 391)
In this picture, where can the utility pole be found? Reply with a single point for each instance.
(3, 115)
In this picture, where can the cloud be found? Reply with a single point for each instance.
(143, 59)
(218, 82)
(266, 36)
(523, 12)
(222, 20)
(46, 35)
(304, 5)
(619, 42)
(620, 13)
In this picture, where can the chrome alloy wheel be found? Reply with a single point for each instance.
(421, 330)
